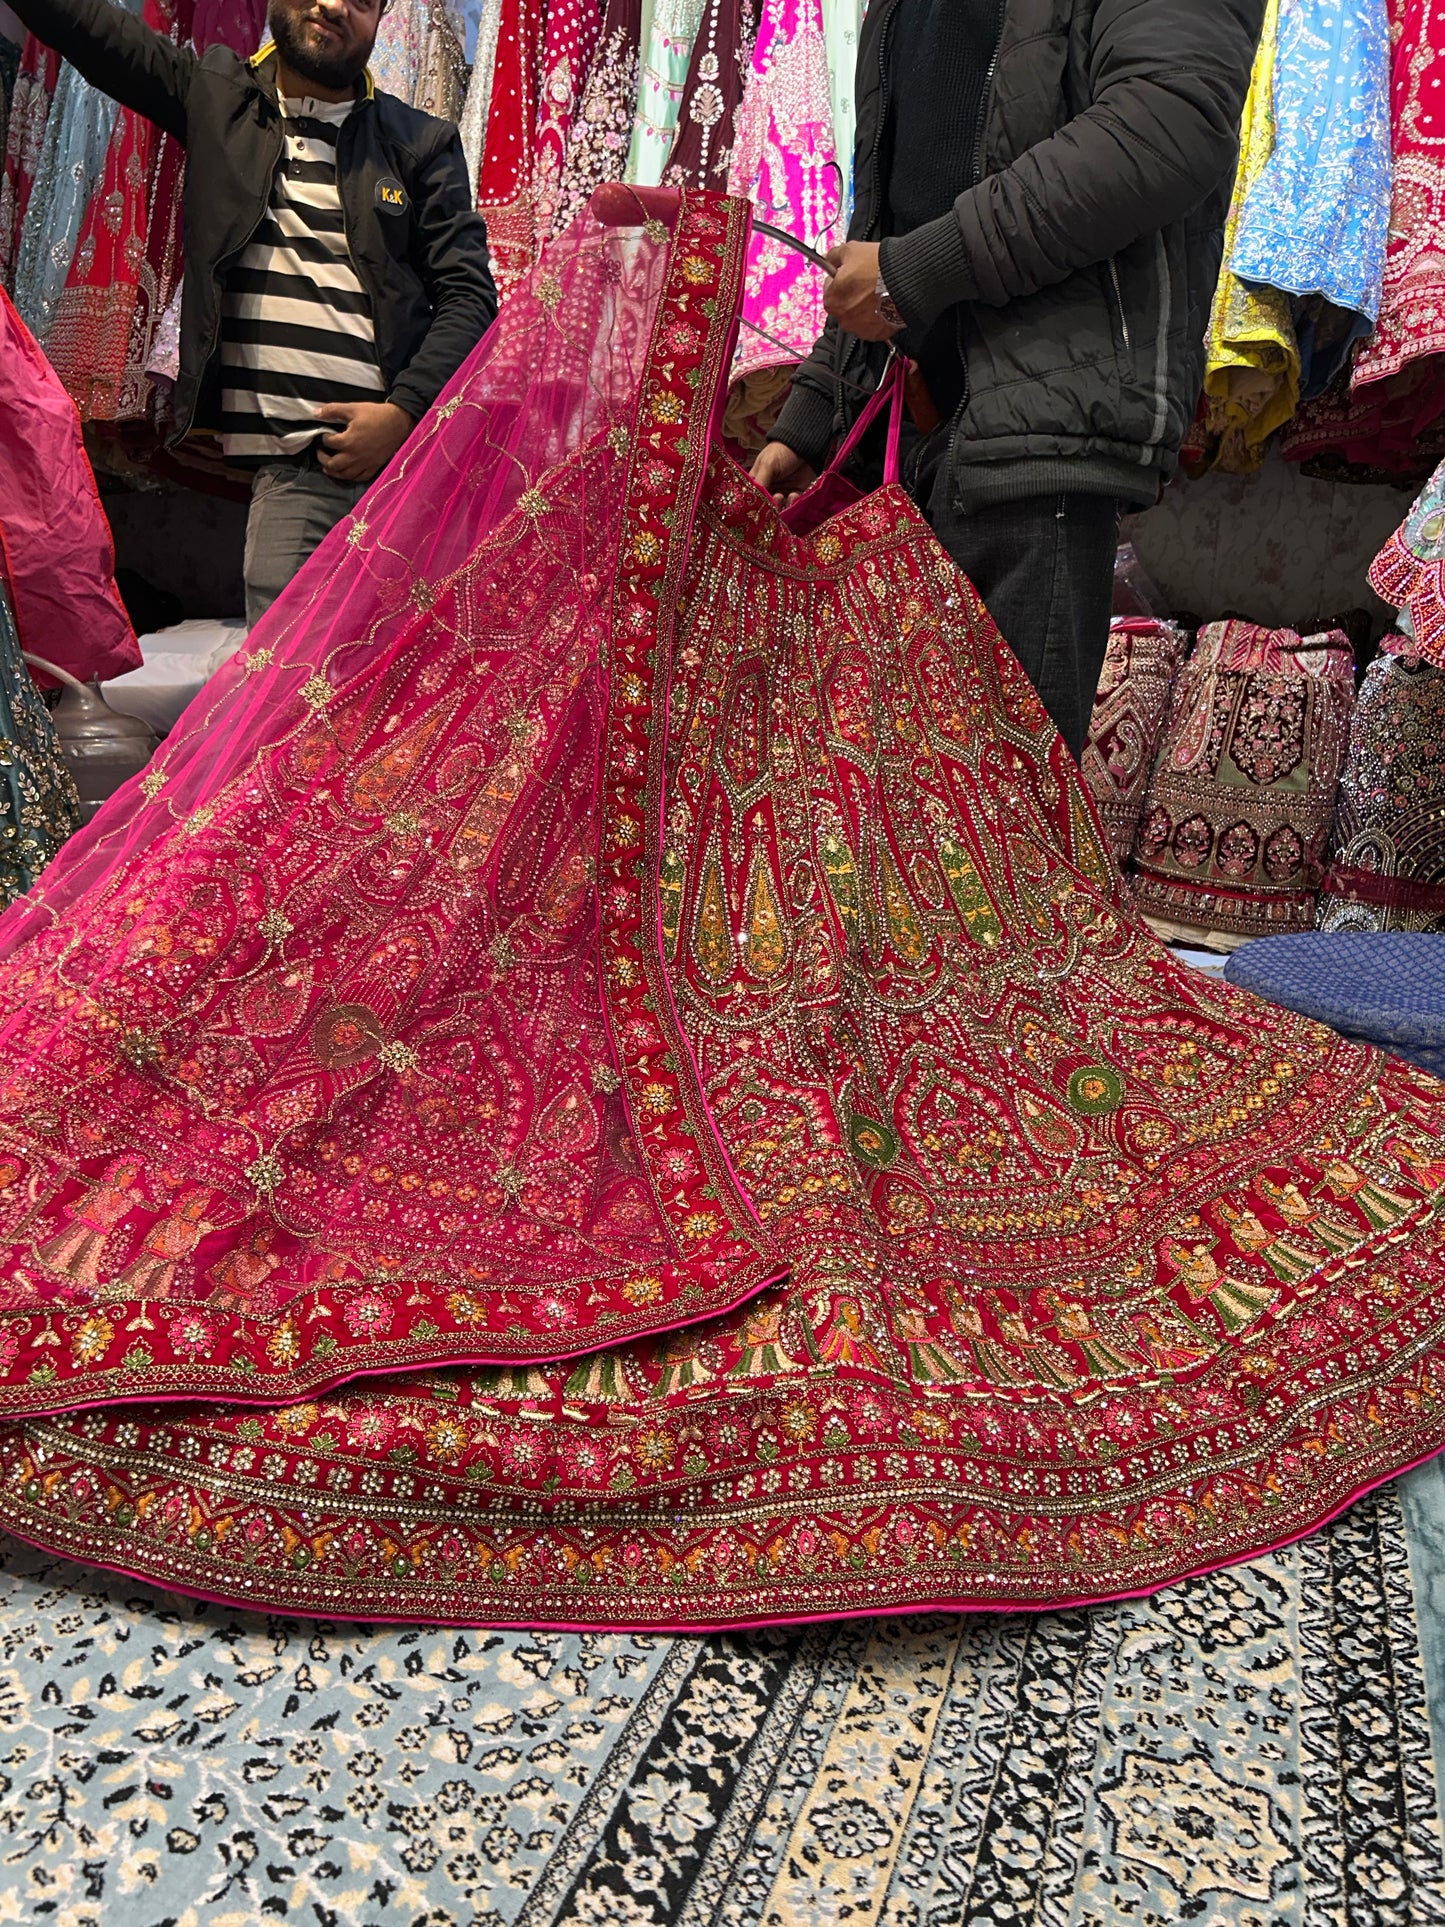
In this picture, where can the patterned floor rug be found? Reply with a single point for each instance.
(1252, 1749)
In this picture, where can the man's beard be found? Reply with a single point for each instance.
(325, 70)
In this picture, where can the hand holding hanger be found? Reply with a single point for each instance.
(856, 297)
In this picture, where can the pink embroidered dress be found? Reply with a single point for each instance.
(601, 129)
(604, 1075)
(571, 35)
(784, 161)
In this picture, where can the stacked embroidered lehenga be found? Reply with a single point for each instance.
(604, 1077)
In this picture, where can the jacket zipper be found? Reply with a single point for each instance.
(979, 137)
(1119, 302)
(874, 168)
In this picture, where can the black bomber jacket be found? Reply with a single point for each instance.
(419, 247)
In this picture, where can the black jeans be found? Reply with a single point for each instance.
(1045, 569)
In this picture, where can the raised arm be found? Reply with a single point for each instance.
(117, 53)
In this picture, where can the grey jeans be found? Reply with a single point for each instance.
(293, 505)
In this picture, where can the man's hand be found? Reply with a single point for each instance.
(371, 433)
(851, 296)
(783, 473)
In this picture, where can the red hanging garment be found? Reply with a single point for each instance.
(504, 182)
(571, 37)
(601, 131)
(127, 261)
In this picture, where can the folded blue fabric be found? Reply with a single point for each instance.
(1385, 988)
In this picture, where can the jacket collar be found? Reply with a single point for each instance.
(267, 51)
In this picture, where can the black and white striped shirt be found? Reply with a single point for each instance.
(296, 326)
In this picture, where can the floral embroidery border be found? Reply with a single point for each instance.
(694, 1186)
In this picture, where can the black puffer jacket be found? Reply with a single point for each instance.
(419, 247)
(1083, 259)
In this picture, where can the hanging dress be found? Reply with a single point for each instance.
(571, 36)
(785, 163)
(396, 54)
(504, 182)
(77, 136)
(711, 95)
(127, 260)
(1315, 220)
(441, 81)
(35, 83)
(1252, 366)
(1412, 310)
(655, 960)
(473, 122)
(597, 147)
(666, 58)
(1396, 397)
(842, 23)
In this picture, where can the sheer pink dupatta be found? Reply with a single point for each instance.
(342, 1036)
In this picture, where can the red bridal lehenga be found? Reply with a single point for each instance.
(604, 1077)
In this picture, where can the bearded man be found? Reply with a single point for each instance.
(336, 271)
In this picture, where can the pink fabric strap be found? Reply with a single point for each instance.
(888, 394)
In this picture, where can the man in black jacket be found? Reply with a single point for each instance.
(336, 272)
(1040, 192)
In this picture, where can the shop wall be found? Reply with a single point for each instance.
(1275, 547)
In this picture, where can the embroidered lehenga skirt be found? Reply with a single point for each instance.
(1387, 864)
(603, 1077)
(1236, 822)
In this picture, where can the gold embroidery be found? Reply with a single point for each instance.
(266, 1173)
(275, 926)
(767, 939)
(903, 924)
(139, 1048)
(712, 940)
(671, 883)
